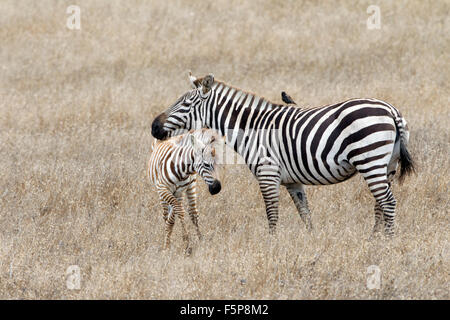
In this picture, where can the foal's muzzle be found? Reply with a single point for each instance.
(215, 187)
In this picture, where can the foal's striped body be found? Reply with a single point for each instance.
(172, 169)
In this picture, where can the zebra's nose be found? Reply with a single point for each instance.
(215, 187)
(157, 128)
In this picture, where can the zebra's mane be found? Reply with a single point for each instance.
(218, 82)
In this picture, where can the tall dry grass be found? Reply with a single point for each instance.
(75, 115)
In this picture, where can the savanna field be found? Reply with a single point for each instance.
(76, 108)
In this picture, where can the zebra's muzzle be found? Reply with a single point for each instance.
(158, 131)
(215, 187)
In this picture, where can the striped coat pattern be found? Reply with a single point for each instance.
(172, 168)
(290, 146)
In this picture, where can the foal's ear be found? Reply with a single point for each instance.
(207, 83)
(196, 143)
(193, 140)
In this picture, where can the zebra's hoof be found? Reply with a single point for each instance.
(389, 235)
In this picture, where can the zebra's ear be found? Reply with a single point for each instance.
(207, 83)
(193, 81)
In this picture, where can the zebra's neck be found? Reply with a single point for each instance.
(234, 113)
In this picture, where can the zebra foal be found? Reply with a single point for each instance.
(172, 167)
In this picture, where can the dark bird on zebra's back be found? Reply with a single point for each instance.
(287, 98)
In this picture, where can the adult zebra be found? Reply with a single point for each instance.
(291, 146)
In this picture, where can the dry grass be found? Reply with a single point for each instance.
(75, 112)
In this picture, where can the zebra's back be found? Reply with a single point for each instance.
(324, 145)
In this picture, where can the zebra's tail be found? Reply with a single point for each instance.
(407, 165)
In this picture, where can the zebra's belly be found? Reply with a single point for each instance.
(324, 174)
(181, 186)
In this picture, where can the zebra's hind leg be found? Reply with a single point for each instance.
(169, 219)
(191, 193)
(298, 195)
(168, 213)
(388, 205)
(269, 183)
(180, 213)
(380, 187)
(170, 201)
(167, 210)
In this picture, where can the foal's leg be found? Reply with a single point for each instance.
(177, 210)
(167, 209)
(191, 193)
(180, 213)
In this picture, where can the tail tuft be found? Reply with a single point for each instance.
(407, 166)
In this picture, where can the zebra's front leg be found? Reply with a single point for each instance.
(378, 218)
(168, 200)
(269, 184)
(191, 193)
(298, 195)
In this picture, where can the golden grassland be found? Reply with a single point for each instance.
(75, 113)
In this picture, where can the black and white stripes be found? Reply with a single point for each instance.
(291, 146)
(172, 167)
